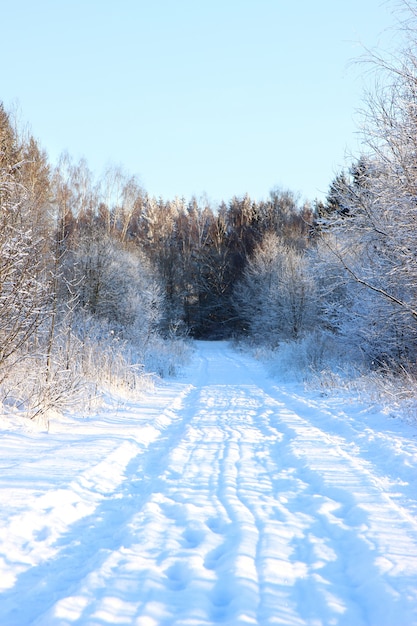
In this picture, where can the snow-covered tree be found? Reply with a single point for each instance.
(276, 298)
(370, 225)
(24, 295)
(115, 284)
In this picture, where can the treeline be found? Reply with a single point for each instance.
(99, 281)
(80, 306)
(197, 253)
(351, 294)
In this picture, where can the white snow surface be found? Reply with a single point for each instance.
(223, 497)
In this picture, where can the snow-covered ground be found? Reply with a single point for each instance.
(224, 497)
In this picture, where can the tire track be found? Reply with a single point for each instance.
(73, 554)
(244, 511)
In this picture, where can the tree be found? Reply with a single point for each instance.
(276, 298)
(372, 233)
(122, 203)
(23, 254)
(114, 284)
(10, 149)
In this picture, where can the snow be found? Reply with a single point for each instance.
(223, 497)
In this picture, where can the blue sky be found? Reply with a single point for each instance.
(215, 97)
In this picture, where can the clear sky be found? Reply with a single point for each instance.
(216, 97)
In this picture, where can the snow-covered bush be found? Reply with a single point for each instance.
(40, 379)
(303, 358)
(166, 356)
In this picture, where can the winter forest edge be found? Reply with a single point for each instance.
(101, 286)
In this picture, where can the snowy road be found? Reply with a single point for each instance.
(224, 498)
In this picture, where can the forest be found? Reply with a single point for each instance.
(102, 284)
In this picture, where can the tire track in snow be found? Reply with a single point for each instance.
(193, 550)
(360, 544)
(392, 452)
(236, 592)
(196, 552)
(245, 512)
(98, 503)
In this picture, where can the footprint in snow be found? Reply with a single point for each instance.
(221, 600)
(42, 534)
(214, 557)
(217, 525)
(178, 576)
(193, 537)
